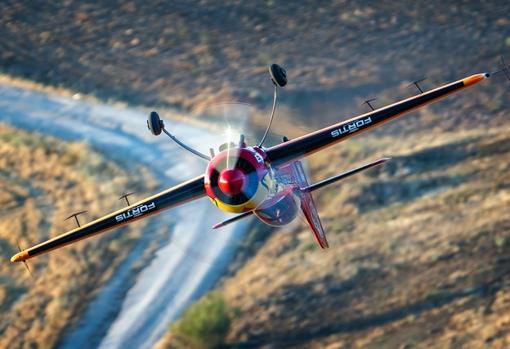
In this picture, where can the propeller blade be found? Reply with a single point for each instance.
(28, 269)
(25, 262)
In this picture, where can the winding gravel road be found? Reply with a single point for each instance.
(194, 256)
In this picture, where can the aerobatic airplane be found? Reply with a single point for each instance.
(269, 183)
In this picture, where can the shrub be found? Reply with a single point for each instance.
(204, 325)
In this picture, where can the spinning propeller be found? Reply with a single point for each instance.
(503, 70)
(25, 262)
(234, 174)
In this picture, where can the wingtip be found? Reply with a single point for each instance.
(473, 79)
(381, 161)
(19, 257)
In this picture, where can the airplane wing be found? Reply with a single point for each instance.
(172, 197)
(308, 144)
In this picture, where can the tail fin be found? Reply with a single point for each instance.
(308, 205)
(312, 217)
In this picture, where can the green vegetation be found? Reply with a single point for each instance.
(204, 325)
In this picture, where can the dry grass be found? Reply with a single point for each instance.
(42, 181)
(418, 252)
(154, 53)
(405, 239)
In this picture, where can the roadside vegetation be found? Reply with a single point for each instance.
(204, 325)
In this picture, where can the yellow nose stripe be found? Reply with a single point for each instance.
(260, 195)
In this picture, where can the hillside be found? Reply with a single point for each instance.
(42, 181)
(418, 257)
(419, 248)
(185, 54)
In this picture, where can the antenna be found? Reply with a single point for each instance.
(367, 102)
(75, 215)
(156, 126)
(416, 83)
(125, 197)
(279, 78)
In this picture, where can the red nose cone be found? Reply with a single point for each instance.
(231, 182)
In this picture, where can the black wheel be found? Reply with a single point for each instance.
(278, 75)
(155, 124)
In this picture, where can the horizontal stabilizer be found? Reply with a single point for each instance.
(344, 175)
(232, 220)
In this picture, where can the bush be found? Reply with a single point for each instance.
(204, 325)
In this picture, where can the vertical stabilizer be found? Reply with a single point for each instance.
(308, 205)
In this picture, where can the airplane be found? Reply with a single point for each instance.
(266, 182)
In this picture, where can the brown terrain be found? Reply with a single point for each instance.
(419, 248)
(42, 181)
(418, 257)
